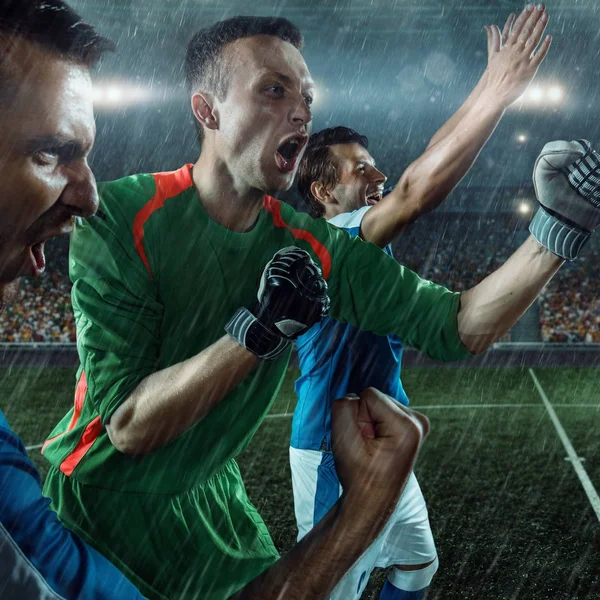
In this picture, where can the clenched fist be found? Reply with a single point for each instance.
(375, 443)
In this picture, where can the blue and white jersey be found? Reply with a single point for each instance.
(337, 359)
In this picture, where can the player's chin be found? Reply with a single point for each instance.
(13, 264)
(280, 181)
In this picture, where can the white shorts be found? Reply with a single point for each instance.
(406, 539)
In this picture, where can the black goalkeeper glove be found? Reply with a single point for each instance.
(292, 297)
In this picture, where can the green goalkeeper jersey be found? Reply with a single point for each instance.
(155, 280)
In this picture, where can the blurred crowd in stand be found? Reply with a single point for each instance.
(43, 312)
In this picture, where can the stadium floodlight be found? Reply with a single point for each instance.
(522, 138)
(536, 94)
(114, 94)
(541, 95)
(108, 95)
(524, 208)
(555, 93)
(317, 96)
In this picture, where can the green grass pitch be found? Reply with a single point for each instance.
(510, 516)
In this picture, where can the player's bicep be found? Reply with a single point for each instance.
(386, 219)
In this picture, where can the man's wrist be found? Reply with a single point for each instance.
(492, 99)
(251, 333)
(363, 513)
(554, 234)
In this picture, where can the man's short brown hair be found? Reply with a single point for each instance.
(55, 26)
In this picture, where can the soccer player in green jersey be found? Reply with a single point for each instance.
(143, 466)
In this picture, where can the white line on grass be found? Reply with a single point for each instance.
(35, 447)
(444, 406)
(280, 415)
(575, 460)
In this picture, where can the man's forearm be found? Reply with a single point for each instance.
(428, 180)
(316, 564)
(449, 126)
(434, 175)
(493, 306)
(167, 403)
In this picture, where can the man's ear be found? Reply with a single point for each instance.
(322, 193)
(202, 107)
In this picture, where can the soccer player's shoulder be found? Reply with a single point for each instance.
(286, 216)
(120, 202)
(349, 220)
(124, 198)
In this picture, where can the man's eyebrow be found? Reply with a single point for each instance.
(284, 78)
(310, 84)
(57, 142)
(367, 161)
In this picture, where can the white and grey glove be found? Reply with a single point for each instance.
(566, 178)
(292, 297)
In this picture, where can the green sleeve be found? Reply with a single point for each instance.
(370, 290)
(117, 312)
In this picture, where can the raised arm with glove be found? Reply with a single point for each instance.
(566, 183)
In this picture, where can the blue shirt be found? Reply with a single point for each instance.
(337, 359)
(70, 567)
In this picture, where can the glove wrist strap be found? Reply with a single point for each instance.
(560, 238)
(255, 337)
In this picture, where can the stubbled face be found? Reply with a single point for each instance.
(359, 182)
(47, 132)
(263, 123)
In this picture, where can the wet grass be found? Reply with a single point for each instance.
(509, 514)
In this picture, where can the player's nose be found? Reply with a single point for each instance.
(301, 112)
(378, 177)
(81, 194)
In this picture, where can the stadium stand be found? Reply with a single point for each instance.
(43, 312)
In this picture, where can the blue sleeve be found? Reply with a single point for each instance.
(70, 567)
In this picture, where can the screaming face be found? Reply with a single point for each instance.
(262, 124)
(359, 182)
(47, 132)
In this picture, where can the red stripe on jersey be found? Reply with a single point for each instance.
(168, 185)
(90, 435)
(80, 392)
(274, 207)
